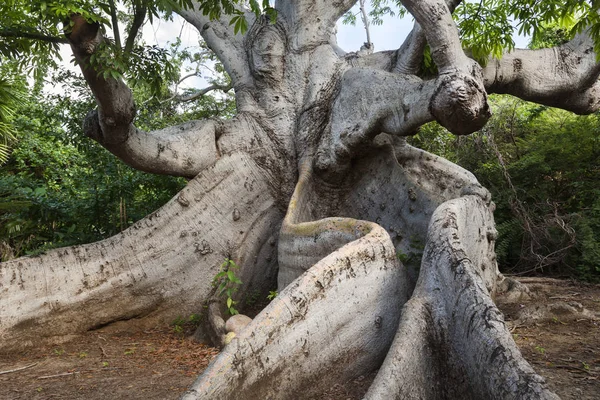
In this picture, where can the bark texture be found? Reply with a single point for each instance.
(383, 254)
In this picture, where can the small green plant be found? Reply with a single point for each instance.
(129, 351)
(252, 298)
(585, 365)
(177, 328)
(194, 319)
(177, 324)
(540, 349)
(403, 257)
(83, 354)
(416, 243)
(272, 294)
(180, 324)
(59, 352)
(412, 257)
(105, 364)
(228, 283)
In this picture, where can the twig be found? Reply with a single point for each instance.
(365, 20)
(59, 375)
(17, 369)
(575, 369)
(76, 372)
(103, 352)
(516, 327)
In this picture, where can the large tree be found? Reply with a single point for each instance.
(383, 254)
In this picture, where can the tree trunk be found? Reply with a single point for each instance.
(385, 256)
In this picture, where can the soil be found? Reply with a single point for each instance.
(558, 332)
(557, 328)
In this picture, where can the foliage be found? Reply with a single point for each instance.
(60, 188)
(487, 27)
(11, 94)
(227, 283)
(32, 32)
(542, 166)
(379, 9)
(272, 294)
(552, 34)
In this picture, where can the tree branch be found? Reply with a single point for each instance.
(565, 76)
(138, 19)
(180, 151)
(7, 33)
(460, 102)
(410, 53)
(365, 20)
(202, 92)
(115, 24)
(369, 102)
(183, 150)
(220, 37)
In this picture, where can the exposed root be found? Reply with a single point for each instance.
(465, 350)
(333, 323)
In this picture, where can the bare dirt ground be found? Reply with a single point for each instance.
(557, 329)
(558, 332)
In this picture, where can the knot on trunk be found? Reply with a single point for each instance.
(83, 35)
(91, 126)
(460, 103)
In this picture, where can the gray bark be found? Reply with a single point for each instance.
(318, 133)
(159, 268)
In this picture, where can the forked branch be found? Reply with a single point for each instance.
(180, 151)
(222, 39)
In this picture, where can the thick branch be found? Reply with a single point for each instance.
(565, 76)
(410, 53)
(220, 37)
(180, 151)
(460, 102)
(312, 22)
(435, 18)
(372, 101)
